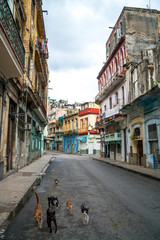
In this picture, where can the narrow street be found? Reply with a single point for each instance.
(122, 205)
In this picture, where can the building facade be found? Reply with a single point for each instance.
(143, 110)
(124, 77)
(70, 141)
(89, 137)
(56, 111)
(23, 83)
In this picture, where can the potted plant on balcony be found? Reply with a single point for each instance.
(134, 136)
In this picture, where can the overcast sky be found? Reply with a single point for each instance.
(77, 31)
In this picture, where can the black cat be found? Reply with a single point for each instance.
(51, 217)
(53, 202)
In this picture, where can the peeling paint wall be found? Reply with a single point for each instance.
(141, 31)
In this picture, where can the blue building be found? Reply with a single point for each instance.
(70, 143)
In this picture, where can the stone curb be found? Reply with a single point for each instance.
(23, 200)
(128, 169)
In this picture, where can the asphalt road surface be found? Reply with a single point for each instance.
(122, 205)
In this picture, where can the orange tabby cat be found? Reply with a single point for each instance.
(38, 211)
(69, 206)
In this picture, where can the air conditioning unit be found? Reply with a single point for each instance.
(118, 33)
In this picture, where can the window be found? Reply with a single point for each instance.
(121, 61)
(115, 66)
(137, 131)
(99, 85)
(86, 122)
(104, 81)
(33, 144)
(30, 63)
(153, 147)
(32, 12)
(118, 148)
(110, 74)
(81, 123)
(109, 49)
(121, 28)
(116, 98)
(152, 131)
(134, 75)
(110, 102)
(105, 108)
(115, 39)
(76, 123)
(123, 95)
(106, 76)
(152, 136)
(72, 124)
(107, 52)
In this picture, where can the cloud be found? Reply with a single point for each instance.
(77, 31)
(74, 85)
(71, 35)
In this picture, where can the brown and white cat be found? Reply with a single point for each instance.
(69, 206)
(56, 181)
(38, 211)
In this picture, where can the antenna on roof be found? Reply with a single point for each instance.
(149, 6)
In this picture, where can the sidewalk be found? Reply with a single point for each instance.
(148, 172)
(16, 189)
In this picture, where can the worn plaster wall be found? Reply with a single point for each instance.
(141, 31)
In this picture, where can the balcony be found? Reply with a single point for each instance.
(40, 61)
(11, 46)
(51, 135)
(52, 111)
(113, 111)
(113, 137)
(59, 129)
(109, 87)
(89, 111)
(83, 131)
(40, 103)
(59, 139)
(52, 121)
(71, 132)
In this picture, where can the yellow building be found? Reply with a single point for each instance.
(136, 154)
(23, 83)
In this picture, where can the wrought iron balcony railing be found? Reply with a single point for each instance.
(42, 55)
(114, 82)
(11, 31)
(40, 103)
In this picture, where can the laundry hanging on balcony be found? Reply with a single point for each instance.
(43, 45)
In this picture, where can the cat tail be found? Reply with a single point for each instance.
(36, 194)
